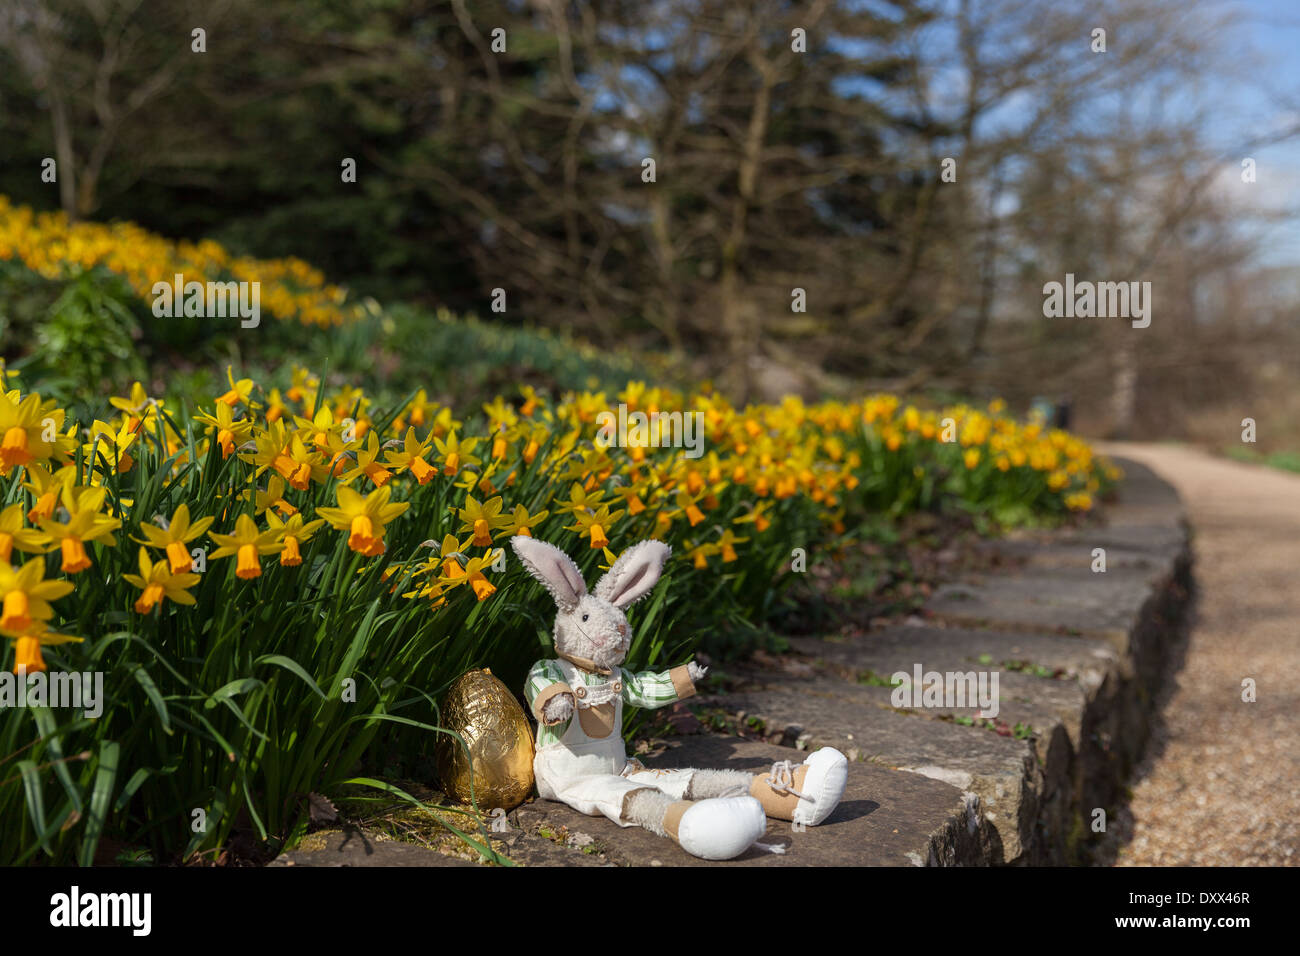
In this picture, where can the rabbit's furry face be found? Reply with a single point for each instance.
(593, 625)
(596, 630)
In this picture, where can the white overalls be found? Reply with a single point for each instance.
(583, 762)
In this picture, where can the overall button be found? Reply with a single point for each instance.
(581, 692)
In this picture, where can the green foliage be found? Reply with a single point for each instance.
(84, 339)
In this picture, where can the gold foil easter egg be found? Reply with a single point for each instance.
(483, 711)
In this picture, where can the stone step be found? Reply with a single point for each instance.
(886, 818)
(354, 847)
(1079, 666)
(1066, 601)
(1001, 772)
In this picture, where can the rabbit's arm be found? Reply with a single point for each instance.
(657, 689)
(550, 698)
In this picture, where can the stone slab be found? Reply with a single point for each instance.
(887, 817)
(1063, 602)
(1001, 771)
(361, 848)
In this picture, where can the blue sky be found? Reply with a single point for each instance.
(1269, 92)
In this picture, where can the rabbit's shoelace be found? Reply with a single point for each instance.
(781, 779)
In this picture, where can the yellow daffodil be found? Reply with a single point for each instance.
(247, 543)
(367, 466)
(595, 525)
(231, 433)
(294, 533)
(521, 522)
(13, 534)
(27, 647)
(85, 523)
(113, 444)
(240, 392)
(364, 519)
(25, 597)
(411, 458)
(47, 488)
(455, 454)
(172, 536)
(26, 435)
(158, 582)
(482, 519)
(455, 574)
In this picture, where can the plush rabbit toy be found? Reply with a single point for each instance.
(578, 702)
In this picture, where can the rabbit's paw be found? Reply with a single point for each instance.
(697, 671)
(558, 709)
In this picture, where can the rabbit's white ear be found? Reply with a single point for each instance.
(634, 573)
(553, 568)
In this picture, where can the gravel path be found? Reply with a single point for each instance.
(1221, 781)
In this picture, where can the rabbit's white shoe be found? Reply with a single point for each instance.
(720, 828)
(806, 793)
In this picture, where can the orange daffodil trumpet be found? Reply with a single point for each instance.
(483, 519)
(248, 543)
(29, 432)
(411, 458)
(157, 582)
(294, 533)
(14, 534)
(364, 519)
(230, 433)
(457, 569)
(25, 612)
(174, 535)
(85, 523)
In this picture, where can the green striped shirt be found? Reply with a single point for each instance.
(646, 689)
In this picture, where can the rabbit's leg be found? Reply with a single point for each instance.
(715, 783)
(805, 793)
(646, 808)
(720, 828)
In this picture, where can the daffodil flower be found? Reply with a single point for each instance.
(727, 545)
(84, 523)
(365, 519)
(240, 392)
(27, 647)
(273, 497)
(22, 433)
(411, 458)
(139, 408)
(47, 488)
(14, 535)
(521, 522)
(471, 573)
(595, 525)
(114, 444)
(230, 433)
(173, 538)
(455, 454)
(482, 519)
(295, 532)
(157, 582)
(366, 464)
(25, 597)
(247, 543)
